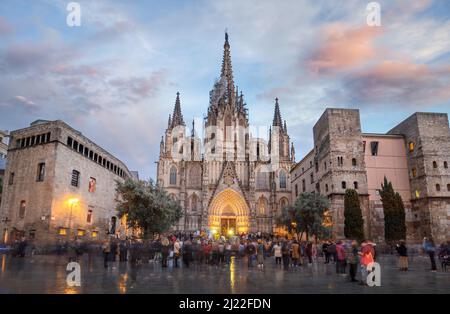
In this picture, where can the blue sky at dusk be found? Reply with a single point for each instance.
(115, 78)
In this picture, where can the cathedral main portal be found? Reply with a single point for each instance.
(229, 213)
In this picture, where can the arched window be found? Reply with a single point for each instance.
(284, 203)
(435, 164)
(173, 175)
(438, 187)
(262, 206)
(353, 162)
(282, 179)
(445, 165)
(194, 202)
(22, 208)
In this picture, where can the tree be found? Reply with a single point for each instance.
(394, 213)
(353, 220)
(306, 215)
(147, 207)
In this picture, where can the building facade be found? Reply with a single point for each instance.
(230, 181)
(3, 152)
(413, 156)
(59, 184)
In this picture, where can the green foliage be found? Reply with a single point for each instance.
(353, 220)
(147, 207)
(394, 213)
(306, 214)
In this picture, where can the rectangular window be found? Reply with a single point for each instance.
(41, 172)
(92, 184)
(364, 146)
(89, 215)
(94, 234)
(62, 231)
(80, 148)
(69, 141)
(75, 178)
(81, 233)
(11, 178)
(312, 178)
(75, 145)
(23, 205)
(86, 151)
(296, 190)
(47, 137)
(344, 184)
(374, 148)
(303, 185)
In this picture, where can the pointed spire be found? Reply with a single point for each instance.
(227, 70)
(277, 115)
(161, 146)
(169, 123)
(285, 127)
(193, 128)
(177, 117)
(292, 152)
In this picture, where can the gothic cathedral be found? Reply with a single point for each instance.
(232, 181)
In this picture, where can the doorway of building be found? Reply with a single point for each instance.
(228, 226)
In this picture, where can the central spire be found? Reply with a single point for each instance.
(227, 70)
(177, 117)
(277, 115)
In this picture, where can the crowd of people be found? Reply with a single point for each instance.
(350, 257)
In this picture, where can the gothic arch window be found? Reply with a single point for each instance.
(173, 175)
(195, 176)
(284, 203)
(262, 206)
(282, 176)
(194, 202)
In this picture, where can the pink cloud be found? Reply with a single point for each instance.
(5, 27)
(344, 47)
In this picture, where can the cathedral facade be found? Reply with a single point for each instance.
(230, 179)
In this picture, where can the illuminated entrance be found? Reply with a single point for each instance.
(229, 213)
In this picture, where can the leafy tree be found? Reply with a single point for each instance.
(353, 220)
(306, 215)
(147, 207)
(394, 213)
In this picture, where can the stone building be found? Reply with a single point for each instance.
(413, 156)
(231, 181)
(59, 184)
(3, 151)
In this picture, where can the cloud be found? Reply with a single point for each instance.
(343, 47)
(397, 82)
(22, 102)
(5, 27)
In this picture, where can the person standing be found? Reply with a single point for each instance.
(165, 251)
(352, 260)
(260, 253)
(430, 249)
(277, 253)
(176, 252)
(295, 250)
(325, 251)
(123, 251)
(340, 255)
(308, 250)
(187, 252)
(366, 257)
(402, 251)
(106, 249)
(250, 251)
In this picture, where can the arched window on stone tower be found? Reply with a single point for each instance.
(263, 206)
(194, 202)
(173, 175)
(282, 176)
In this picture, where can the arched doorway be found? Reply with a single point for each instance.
(229, 213)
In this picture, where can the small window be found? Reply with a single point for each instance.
(374, 148)
(325, 165)
(75, 145)
(438, 187)
(445, 165)
(417, 193)
(75, 178)
(92, 185)
(311, 177)
(86, 151)
(448, 187)
(69, 141)
(317, 166)
(414, 172)
(354, 162)
(411, 147)
(89, 215)
(81, 148)
(318, 188)
(94, 234)
(62, 231)
(41, 172)
(282, 179)
(11, 178)
(435, 164)
(296, 190)
(303, 185)
(47, 137)
(81, 232)
(344, 184)
(173, 175)
(22, 208)
(364, 146)
(355, 185)
(326, 188)
(340, 161)
(91, 155)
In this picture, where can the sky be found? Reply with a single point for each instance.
(115, 77)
